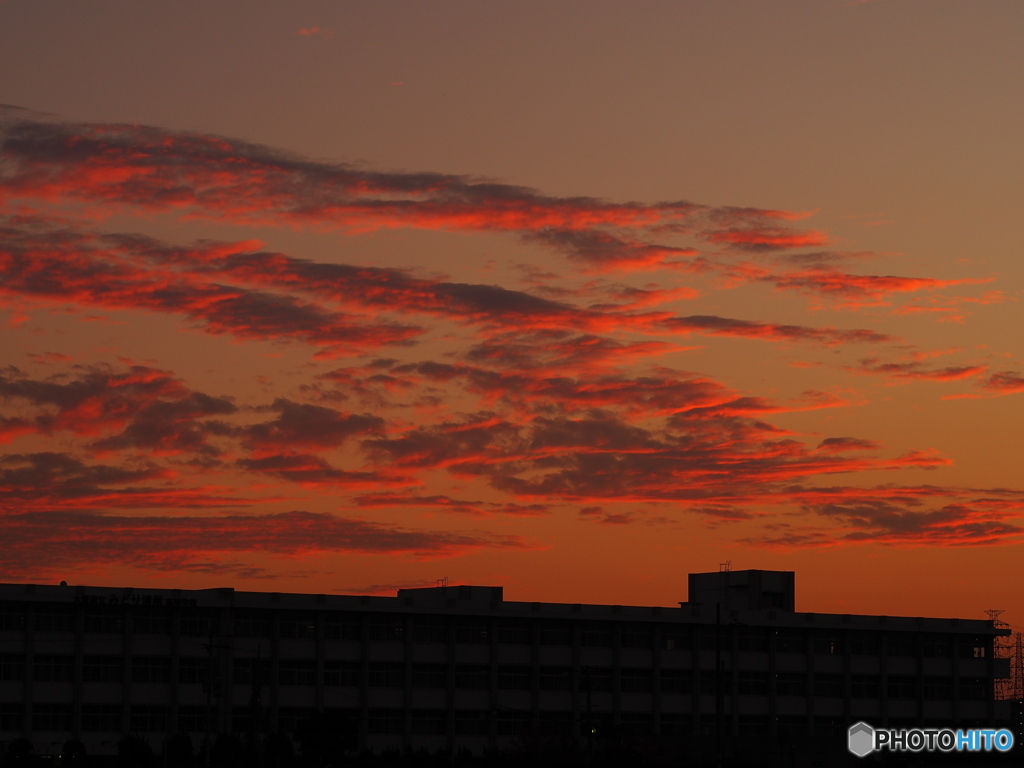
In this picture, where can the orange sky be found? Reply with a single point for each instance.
(570, 297)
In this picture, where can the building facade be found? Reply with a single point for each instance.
(459, 666)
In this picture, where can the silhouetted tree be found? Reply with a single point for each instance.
(321, 740)
(133, 751)
(178, 751)
(227, 751)
(72, 753)
(278, 751)
(19, 752)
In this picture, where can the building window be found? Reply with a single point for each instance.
(828, 686)
(636, 723)
(429, 629)
(513, 632)
(635, 636)
(55, 619)
(514, 678)
(595, 679)
(195, 626)
(430, 676)
(753, 641)
(975, 650)
(865, 644)
(471, 722)
(974, 688)
(385, 721)
(936, 646)
(252, 625)
(676, 724)
(753, 725)
(676, 681)
(901, 644)
(51, 717)
(512, 722)
(151, 669)
(346, 674)
(938, 688)
(828, 644)
(555, 678)
(865, 686)
(12, 617)
(12, 667)
(472, 676)
(636, 680)
(596, 635)
(12, 716)
(298, 627)
(341, 627)
(387, 674)
(752, 683)
(59, 669)
(289, 718)
(791, 684)
(387, 629)
(102, 669)
(901, 687)
(790, 641)
(296, 672)
(429, 722)
(148, 718)
(471, 631)
(706, 683)
(101, 717)
(193, 670)
(555, 633)
(191, 719)
(791, 727)
(245, 671)
(151, 624)
(103, 621)
(675, 639)
(833, 728)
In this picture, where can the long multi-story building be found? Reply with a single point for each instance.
(460, 666)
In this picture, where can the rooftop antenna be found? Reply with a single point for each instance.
(442, 582)
(725, 567)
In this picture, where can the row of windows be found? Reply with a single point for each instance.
(426, 629)
(152, 719)
(292, 672)
(99, 717)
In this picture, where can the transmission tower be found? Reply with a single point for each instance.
(1018, 669)
(1004, 686)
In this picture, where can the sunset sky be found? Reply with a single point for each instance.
(570, 297)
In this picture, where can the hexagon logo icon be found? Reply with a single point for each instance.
(861, 739)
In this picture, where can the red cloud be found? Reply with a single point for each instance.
(916, 370)
(448, 504)
(60, 265)
(212, 177)
(864, 520)
(315, 32)
(1005, 382)
(47, 544)
(48, 481)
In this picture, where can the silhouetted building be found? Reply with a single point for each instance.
(459, 666)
